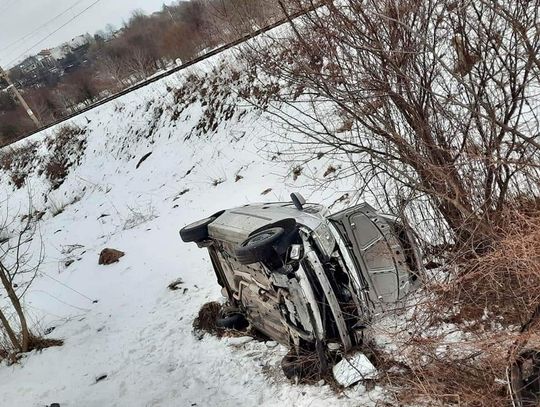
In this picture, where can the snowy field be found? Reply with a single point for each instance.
(121, 320)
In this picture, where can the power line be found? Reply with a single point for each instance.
(54, 32)
(30, 34)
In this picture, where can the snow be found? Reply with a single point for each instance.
(121, 320)
(354, 368)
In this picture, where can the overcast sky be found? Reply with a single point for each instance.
(29, 20)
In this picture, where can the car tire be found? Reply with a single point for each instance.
(234, 321)
(259, 246)
(290, 366)
(196, 231)
(228, 310)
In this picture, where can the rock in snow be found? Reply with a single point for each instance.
(352, 369)
(110, 256)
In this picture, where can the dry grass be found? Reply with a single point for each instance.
(66, 148)
(504, 282)
(469, 328)
(40, 343)
(310, 369)
(206, 319)
(18, 162)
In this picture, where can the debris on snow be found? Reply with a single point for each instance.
(330, 170)
(100, 378)
(183, 192)
(218, 181)
(143, 158)
(297, 171)
(176, 284)
(206, 320)
(351, 370)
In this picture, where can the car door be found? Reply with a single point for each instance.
(377, 251)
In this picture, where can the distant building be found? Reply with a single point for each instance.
(75, 44)
(28, 71)
(50, 64)
(80, 41)
(36, 71)
(47, 59)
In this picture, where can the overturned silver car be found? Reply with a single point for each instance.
(306, 278)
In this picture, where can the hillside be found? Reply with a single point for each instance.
(208, 151)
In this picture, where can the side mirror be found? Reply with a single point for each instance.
(298, 200)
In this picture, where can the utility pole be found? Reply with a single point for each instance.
(170, 14)
(11, 87)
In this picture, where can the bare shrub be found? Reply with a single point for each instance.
(206, 319)
(66, 148)
(506, 281)
(21, 255)
(13, 123)
(231, 19)
(213, 92)
(310, 367)
(138, 216)
(18, 162)
(40, 342)
(56, 171)
(472, 323)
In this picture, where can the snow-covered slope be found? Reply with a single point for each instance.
(207, 152)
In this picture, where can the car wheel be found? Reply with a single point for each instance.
(235, 321)
(228, 310)
(196, 231)
(291, 367)
(300, 366)
(259, 247)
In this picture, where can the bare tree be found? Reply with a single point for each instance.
(79, 87)
(44, 104)
(432, 102)
(228, 20)
(21, 255)
(114, 68)
(140, 63)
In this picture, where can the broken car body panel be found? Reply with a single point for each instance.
(378, 251)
